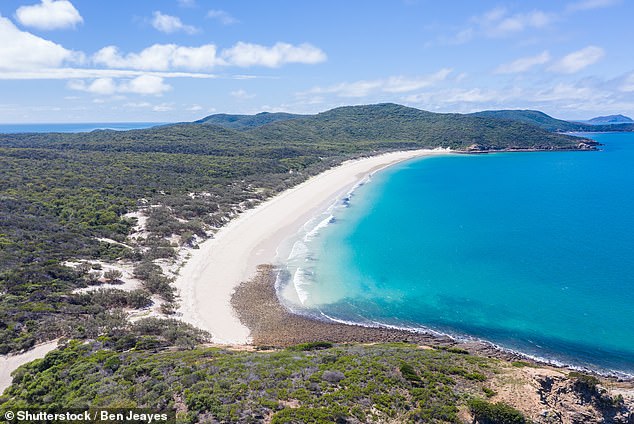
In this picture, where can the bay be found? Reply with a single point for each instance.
(531, 251)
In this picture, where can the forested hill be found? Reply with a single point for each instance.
(352, 129)
(611, 119)
(241, 122)
(394, 125)
(549, 123)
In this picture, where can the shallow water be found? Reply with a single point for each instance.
(532, 251)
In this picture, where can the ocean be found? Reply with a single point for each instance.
(75, 127)
(531, 251)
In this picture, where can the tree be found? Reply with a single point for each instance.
(113, 276)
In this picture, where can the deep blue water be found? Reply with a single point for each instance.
(75, 127)
(532, 251)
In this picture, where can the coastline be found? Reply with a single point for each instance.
(274, 326)
(208, 279)
(241, 305)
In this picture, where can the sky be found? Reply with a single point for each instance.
(180, 60)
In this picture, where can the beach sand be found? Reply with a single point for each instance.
(9, 363)
(208, 280)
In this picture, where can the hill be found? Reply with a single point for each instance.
(395, 126)
(534, 117)
(240, 122)
(549, 123)
(610, 119)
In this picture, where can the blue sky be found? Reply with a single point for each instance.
(179, 60)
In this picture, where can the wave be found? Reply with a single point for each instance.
(295, 262)
(299, 282)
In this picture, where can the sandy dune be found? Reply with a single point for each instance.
(209, 278)
(8, 363)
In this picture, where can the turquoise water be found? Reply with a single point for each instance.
(531, 251)
(74, 127)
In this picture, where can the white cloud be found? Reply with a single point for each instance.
(402, 84)
(576, 61)
(78, 73)
(348, 89)
(499, 23)
(590, 5)
(104, 86)
(195, 108)
(242, 95)
(222, 17)
(247, 54)
(138, 104)
(160, 57)
(523, 64)
(456, 96)
(144, 84)
(169, 24)
(49, 14)
(187, 3)
(568, 92)
(20, 50)
(163, 107)
(394, 84)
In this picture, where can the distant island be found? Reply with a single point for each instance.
(610, 119)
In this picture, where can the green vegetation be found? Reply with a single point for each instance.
(549, 123)
(312, 346)
(379, 383)
(60, 192)
(245, 122)
(489, 392)
(584, 381)
(495, 413)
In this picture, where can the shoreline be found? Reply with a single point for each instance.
(208, 279)
(274, 326)
(245, 307)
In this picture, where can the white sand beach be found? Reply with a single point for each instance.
(9, 363)
(208, 279)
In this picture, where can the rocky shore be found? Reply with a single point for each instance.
(271, 324)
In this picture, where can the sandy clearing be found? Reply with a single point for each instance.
(9, 363)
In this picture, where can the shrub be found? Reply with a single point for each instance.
(113, 275)
(584, 382)
(311, 346)
(333, 376)
(409, 373)
(475, 376)
(305, 415)
(489, 392)
(495, 413)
